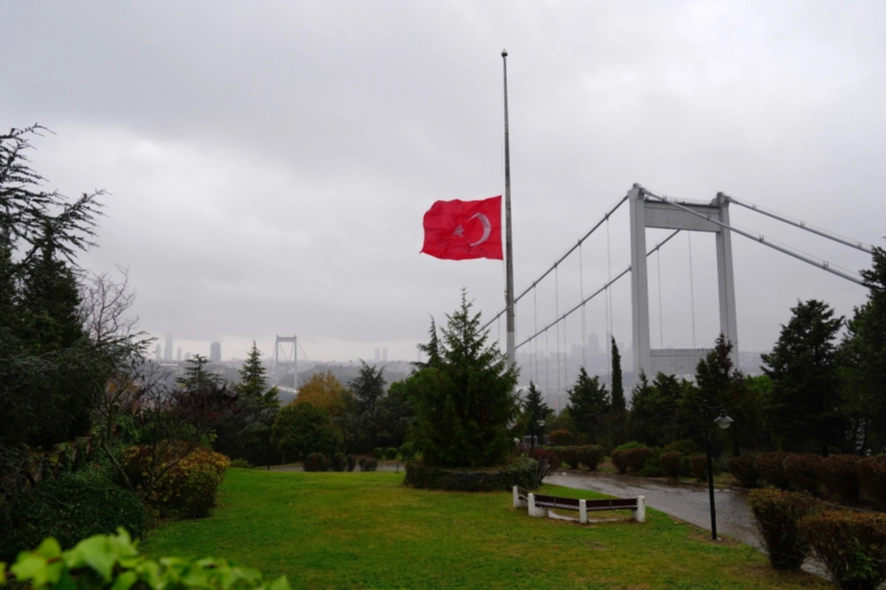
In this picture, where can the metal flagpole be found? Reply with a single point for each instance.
(509, 248)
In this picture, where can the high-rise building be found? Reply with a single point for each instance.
(158, 353)
(215, 352)
(167, 352)
(384, 354)
(178, 354)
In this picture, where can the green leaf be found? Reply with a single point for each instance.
(2, 573)
(95, 553)
(280, 583)
(125, 580)
(49, 548)
(32, 567)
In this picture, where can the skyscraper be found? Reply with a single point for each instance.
(215, 352)
(178, 354)
(158, 353)
(167, 352)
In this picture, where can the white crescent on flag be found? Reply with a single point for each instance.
(487, 228)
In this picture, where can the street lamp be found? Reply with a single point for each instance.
(723, 421)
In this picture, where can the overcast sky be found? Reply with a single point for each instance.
(268, 163)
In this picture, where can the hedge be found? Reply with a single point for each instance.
(777, 515)
(744, 469)
(523, 472)
(851, 545)
(840, 475)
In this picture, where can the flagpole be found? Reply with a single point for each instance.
(509, 248)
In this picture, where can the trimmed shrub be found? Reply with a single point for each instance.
(523, 472)
(339, 462)
(802, 472)
(631, 456)
(362, 463)
(770, 467)
(316, 462)
(685, 447)
(851, 545)
(777, 515)
(744, 469)
(698, 465)
(651, 465)
(620, 460)
(561, 438)
(407, 451)
(872, 471)
(241, 464)
(671, 464)
(371, 464)
(569, 455)
(839, 474)
(69, 508)
(391, 453)
(188, 489)
(352, 462)
(547, 455)
(590, 456)
(378, 453)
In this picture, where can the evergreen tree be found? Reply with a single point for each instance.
(369, 389)
(618, 410)
(536, 411)
(468, 404)
(588, 406)
(302, 429)
(805, 404)
(431, 349)
(197, 377)
(254, 381)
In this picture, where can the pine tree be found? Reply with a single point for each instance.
(588, 405)
(369, 388)
(618, 410)
(465, 412)
(536, 411)
(254, 380)
(197, 377)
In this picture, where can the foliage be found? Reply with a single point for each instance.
(630, 456)
(841, 477)
(698, 466)
(378, 453)
(190, 484)
(851, 545)
(777, 516)
(803, 472)
(301, 429)
(872, 471)
(656, 412)
(370, 464)
(352, 462)
(241, 464)
(618, 407)
(339, 462)
(805, 401)
(535, 412)
(744, 469)
(467, 403)
(560, 438)
(407, 451)
(589, 405)
(770, 467)
(391, 453)
(112, 561)
(369, 389)
(197, 376)
(651, 463)
(316, 462)
(550, 457)
(523, 472)
(590, 456)
(69, 508)
(324, 391)
(569, 456)
(671, 464)
(396, 413)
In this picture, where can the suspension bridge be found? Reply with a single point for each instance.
(552, 345)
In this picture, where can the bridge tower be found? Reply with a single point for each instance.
(651, 212)
(286, 359)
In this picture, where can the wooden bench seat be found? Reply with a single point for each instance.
(540, 505)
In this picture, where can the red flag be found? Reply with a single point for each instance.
(461, 230)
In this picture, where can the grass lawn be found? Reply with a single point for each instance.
(366, 530)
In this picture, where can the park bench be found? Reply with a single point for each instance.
(540, 505)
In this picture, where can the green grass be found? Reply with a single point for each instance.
(366, 530)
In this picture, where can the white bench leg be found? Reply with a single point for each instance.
(536, 511)
(640, 513)
(583, 511)
(518, 501)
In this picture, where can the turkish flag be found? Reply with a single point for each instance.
(461, 230)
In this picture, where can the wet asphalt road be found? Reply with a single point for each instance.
(692, 504)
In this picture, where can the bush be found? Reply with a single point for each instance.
(113, 562)
(553, 461)
(569, 455)
(561, 438)
(636, 458)
(362, 462)
(70, 508)
(671, 464)
(802, 472)
(352, 462)
(407, 451)
(744, 469)
(851, 545)
(651, 464)
(770, 467)
(839, 473)
(241, 463)
(777, 514)
(339, 461)
(391, 453)
(590, 456)
(371, 464)
(620, 460)
(316, 462)
(872, 471)
(378, 453)
(523, 472)
(684, 447)
(698, 465)
(188, 489)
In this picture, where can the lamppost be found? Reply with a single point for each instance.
(723, 421)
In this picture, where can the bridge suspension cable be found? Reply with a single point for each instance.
(561, 259)
(802, 225)
(595, 293)
(822, 264)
